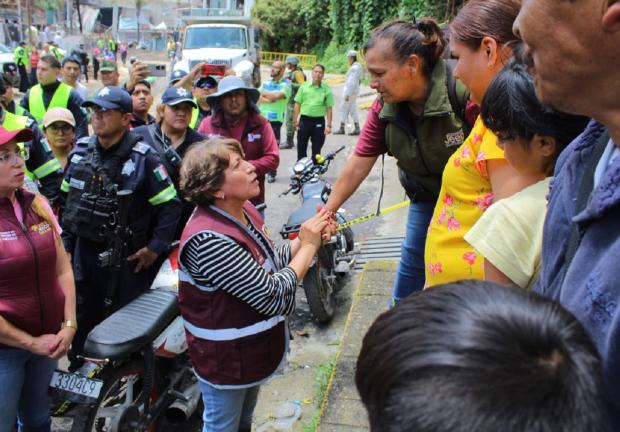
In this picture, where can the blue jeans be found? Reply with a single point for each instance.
(25, 378)
(410, 275)
(228, 410)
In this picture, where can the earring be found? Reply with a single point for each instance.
(222, 197)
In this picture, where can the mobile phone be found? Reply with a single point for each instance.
(213, 69)
(158, 70)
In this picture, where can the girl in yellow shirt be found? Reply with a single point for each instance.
(477, 173)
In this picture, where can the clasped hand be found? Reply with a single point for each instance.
(319, 229)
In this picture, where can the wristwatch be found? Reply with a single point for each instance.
(70, 323)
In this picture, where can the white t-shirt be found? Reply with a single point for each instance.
(509, 233)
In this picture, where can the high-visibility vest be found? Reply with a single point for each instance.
(36, 105)
(21, 57)
(20, 111)
(57, 53)
(193, 122)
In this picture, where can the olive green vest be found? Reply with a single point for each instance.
(423, 145)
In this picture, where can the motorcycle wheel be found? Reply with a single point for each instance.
(319, 286)
(104, 415)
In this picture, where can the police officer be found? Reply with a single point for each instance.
(111, 160)
(41, 165)
(295, 75)
(50, 93)
(23, 64)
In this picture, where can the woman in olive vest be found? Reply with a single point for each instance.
(418, 119)
(235, 288)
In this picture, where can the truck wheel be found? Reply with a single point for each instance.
(256, 76)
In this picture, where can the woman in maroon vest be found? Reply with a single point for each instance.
(37, 294)
(235, 289)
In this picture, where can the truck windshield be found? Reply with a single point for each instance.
(215, 37)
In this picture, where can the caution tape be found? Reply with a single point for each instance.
(372, 215)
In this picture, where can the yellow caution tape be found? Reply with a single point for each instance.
(375, 214)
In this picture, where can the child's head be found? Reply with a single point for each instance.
(531, 134)
(476, 356)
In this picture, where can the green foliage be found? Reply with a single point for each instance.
(323, 377)
(334, 58)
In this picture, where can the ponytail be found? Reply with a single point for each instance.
(423, 38)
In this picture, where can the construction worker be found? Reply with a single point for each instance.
(296, 77)
(348, 104)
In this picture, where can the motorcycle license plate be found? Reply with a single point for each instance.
(74, 387)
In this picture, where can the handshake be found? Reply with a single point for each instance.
(319, 229)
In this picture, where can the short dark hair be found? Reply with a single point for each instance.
(319, 65)
(71, 59)
(477, 356)
(51, 60)
(510, 107)
(144, 83)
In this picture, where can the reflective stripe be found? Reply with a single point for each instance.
(164, 196)
(37, 106)
(186, 277)
(47, 168)
(233, 333)
(64, 186)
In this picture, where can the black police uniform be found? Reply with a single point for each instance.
(153, 135)
(41, 162)
(154, 212)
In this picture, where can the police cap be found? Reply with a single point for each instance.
(109, 98)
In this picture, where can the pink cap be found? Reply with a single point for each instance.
(19, 135)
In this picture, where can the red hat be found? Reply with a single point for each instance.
(19, 135)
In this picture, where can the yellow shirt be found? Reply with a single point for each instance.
(465, 194)
(509, 234)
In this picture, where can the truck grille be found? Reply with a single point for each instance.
(193, 63)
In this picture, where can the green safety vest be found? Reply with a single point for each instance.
(422, 148)
(57, 53)
(100, 44)
(36, 105)
(20, 111)
(14, 122)
(193, 122)
(21, 57)
(111, 45)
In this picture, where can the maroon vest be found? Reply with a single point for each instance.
(30, 297)
(230, 343)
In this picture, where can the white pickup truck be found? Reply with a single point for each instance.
(220, 36)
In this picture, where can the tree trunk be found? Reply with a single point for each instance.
(77, 6)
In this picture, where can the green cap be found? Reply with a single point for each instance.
(108, 66)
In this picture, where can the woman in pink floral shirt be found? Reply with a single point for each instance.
(477, 173)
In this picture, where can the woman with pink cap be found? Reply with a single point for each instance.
(37, 294)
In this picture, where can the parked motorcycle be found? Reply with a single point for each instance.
(137, 374)
(335, 259)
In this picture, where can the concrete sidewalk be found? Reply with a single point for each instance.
(343, 409)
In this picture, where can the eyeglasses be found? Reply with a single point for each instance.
(58, 128)
(14, 156)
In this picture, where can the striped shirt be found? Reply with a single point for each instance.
(213, 261)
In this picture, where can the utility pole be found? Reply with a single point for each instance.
(19, 21)
(29, 21)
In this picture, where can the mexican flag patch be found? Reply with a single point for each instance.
(160, 173)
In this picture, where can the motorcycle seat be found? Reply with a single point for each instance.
(132, 327)
(302, 214)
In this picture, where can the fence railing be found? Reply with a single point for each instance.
(305, 60)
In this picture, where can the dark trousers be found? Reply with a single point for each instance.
(95, 67)
(276, 127)
(33, 76)
(24, 82)
(310, 128)
(91, 286)
(84, 71)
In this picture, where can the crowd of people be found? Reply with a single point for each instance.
(503, 312)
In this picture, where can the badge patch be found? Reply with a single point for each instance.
(128, 168)
(455, 138)
(8, 235)
(76, 158)
(160, 173)
(77, 184)
(253, 137)
(41, 228)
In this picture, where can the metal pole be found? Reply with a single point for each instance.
(19, 21)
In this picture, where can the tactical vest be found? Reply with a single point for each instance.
(30, 297)
(422, 148)
(91, 203)
(37, 106)
(232, 345)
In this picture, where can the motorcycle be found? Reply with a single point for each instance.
(136, 366)
(334, 259)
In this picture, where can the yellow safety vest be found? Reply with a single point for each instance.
(36, 105)
(193, 122)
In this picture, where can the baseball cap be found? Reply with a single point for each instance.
(351, 53)
(175, 95)
(19, 135)
(58, 114)
(208, 82)
(108, 66)
(176, 76)
(111, 97)
(294, 60)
